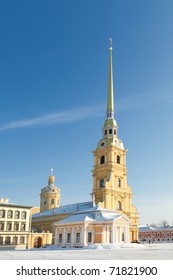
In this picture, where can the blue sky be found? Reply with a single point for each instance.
(53, 85)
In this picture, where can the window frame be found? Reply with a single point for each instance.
(78, 237)
(102, 159)
(68, 238)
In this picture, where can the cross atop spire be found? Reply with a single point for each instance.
(51, 172)
(110, 39)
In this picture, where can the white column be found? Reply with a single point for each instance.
(113, 234)
(107, 235)
(116, 235)
(72, 236)
(84, 241)
(92, 237)
(104, 235)
(64, 237)
(120, 234)
(126, 234)
(56, 237)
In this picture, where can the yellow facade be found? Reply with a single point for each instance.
(50, 196)
(110, 186)
(116, 194)
(36, 240)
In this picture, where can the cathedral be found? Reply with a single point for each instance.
(110, 216)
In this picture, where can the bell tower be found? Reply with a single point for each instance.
(110, 187)
(50, 195)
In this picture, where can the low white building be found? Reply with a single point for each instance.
(94, 225)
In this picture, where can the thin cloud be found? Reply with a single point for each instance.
(130, 102)
(73, 115)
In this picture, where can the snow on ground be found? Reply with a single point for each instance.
(163, 251)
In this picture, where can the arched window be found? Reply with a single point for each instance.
(118, 182)
(115, 132)
(68, 237)
(118, 159)
(102, 183)
(52, 201)
(110, 131)
(60, 238)
(118, 205)
(105, 132)
(78, 237)
(102, 160)
(89, 237)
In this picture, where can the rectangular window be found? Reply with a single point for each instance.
(1, 240)
(60, 238)
(78, 237)
(23, 227)
(15, 240)
(89, 237)
(23, 215)
(1, 226)
(17, 215)
(68, 237)
(7, 240)
(10, 214)
(16, 226)
(2, 213)
(102, 183)
(21, 240)
(9, 226)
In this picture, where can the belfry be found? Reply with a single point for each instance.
(110, 186)
(50, 195)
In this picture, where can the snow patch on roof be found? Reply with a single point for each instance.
(76, 218)
(71, 208)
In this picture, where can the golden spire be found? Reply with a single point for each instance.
(110, 101)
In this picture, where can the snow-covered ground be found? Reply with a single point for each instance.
(163, 251)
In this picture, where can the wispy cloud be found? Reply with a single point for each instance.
(130, 102)
(73, 115)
